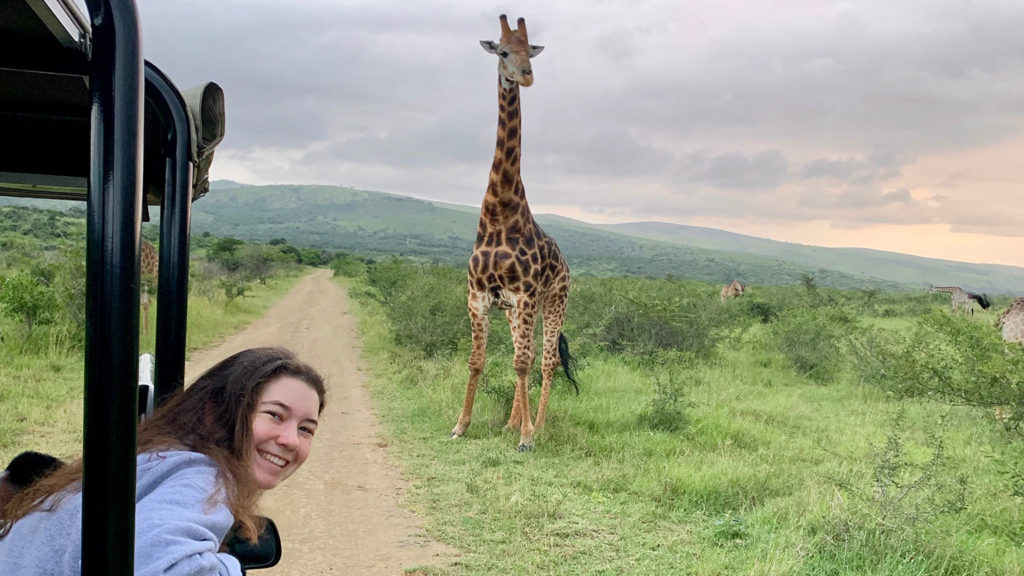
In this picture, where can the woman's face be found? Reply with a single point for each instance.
(282, 429)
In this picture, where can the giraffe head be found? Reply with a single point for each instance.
(514, 53)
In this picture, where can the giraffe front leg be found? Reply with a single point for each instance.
(514, 417)
(477, 358)
(523, 362)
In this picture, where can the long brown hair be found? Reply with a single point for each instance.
(213, 416)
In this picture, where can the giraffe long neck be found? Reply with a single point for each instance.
(505, 195)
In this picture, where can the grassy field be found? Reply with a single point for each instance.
(754, 437)
(41, 394)
(749, 469)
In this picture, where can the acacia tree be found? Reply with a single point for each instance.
(809, 283)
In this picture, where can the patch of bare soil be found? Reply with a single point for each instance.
(341, 513)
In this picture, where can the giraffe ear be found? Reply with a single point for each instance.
(534, 50)
(490, 46)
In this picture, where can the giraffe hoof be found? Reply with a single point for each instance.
(525, 448)
(458, 431)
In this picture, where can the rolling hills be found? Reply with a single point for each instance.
(376, 225)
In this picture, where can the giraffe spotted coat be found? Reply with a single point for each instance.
(1012, 322)
(514, 266)
(960, 297)
(149, 265)
(734, 290)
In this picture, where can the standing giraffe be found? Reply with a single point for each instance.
(734, 290)
(149, 264)
(962, 297)
(515, 265)
(1012, 322)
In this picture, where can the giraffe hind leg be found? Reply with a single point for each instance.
(554, 317)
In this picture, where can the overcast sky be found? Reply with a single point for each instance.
(890, 124)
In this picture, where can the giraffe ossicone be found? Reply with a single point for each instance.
(515, 266)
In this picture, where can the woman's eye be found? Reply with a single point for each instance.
(307, 430)
(275, 416)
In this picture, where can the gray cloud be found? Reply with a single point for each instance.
(655, 109)
(734, 170)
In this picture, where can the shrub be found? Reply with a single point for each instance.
(348, 266)
(960, 361)
(204, 279)
(26, 299)
(224, 251)
(425, 305)
(643, 323)
(813, 341)
(666, 409)
(389, 278)
(759, 310)
(234, 286)
(906, 491)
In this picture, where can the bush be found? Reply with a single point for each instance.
(348, 266)
(204, 279)
(425, 305)
(388, 278)
(960, 361)
(905, 491)
(813, 341)
(666, 409)
(26, 299)
(759, 310)
(234, 286)
(640, 317)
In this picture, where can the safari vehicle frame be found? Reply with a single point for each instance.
(91, 121)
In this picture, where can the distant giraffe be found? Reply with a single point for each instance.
(515, 266)
(959, 296)
(734, 290)
(1012, 322)
(148, 268)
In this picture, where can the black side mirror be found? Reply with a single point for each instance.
(263, 553)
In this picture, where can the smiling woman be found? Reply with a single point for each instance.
(282, 429)
(204, 459)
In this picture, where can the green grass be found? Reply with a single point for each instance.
(41, 395)
(770, 474)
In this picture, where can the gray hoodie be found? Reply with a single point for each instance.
(180, 521)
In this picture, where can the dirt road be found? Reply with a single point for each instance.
(342, 512)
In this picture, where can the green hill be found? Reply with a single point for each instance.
(902, 268)
(377, 225)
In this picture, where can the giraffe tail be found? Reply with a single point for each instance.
(982, 300)
(568, 362)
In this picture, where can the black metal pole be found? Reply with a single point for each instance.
(112, 289)
(175, 215)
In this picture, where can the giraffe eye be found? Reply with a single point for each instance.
(503, 54)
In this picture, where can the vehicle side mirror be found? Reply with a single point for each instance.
(264, 553)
